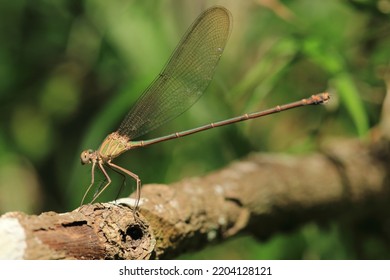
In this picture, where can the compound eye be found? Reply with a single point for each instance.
(86, 156)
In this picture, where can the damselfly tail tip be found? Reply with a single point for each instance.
(321, 98)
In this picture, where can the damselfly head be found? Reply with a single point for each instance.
(86, 156)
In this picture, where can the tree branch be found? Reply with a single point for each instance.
(260, 194)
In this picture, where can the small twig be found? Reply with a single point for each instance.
(385, 118)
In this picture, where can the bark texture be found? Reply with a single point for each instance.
(261, 194)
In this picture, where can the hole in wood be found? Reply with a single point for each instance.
(134, 232)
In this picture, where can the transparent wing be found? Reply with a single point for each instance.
(184, 78)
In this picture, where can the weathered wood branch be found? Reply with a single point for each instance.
(260, 194)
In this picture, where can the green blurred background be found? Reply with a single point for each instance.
(70, 70)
